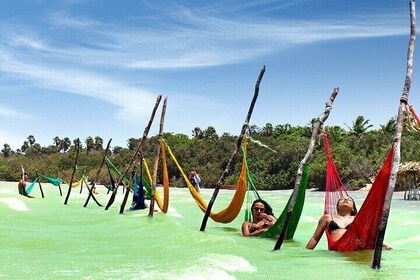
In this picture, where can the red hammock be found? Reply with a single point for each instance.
(361, 234)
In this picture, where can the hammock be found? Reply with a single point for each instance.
(127, 181)
(361, 234)
(275, 229)
(147, 184)
(162, 206)
(28, 189)
(78, 183)
(138, 195)
(228, 214)
(55, 181)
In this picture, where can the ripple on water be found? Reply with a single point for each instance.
(14, 203)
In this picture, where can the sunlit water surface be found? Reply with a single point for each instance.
(43, 238)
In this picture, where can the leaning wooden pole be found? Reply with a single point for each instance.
(96, 178)
(376, 263)
(157, 156)
(39, 183)
(74, 171)
(315, 132)
(136, 154)
(235, 151)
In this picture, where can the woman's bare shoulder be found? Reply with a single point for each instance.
(326, 218)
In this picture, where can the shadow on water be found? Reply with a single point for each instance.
(359, 257)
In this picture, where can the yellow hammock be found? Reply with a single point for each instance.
(162, 206)
(231, 212)
(75, 184)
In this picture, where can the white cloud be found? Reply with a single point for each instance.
(75, 81)
(9, 113)
(188, 38)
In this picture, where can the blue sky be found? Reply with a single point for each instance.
(81, 68)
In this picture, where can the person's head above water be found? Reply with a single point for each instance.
(346, 204)
(261, 206)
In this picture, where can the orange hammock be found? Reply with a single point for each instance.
(162, 206)
(361, 234)
(231, 212)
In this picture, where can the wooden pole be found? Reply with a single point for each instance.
(235, 151)
(39, 183)
(74, 171)
(136, 154)
(376, 263)
(93, 182)
(128, 186)
(316, 129)
(157, 155)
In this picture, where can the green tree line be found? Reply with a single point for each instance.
(274, 153)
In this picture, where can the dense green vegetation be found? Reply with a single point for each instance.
(358, 152)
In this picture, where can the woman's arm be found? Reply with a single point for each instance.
(322, 224)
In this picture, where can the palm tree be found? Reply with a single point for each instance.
(65, 144)
(197, 133)
(360, 126)
(267, 130)
(25, 146)
(31, 140)
(98, 143)
(6, 150)
(389, 127)
(89, 144)
(210, 134)
(57, 143)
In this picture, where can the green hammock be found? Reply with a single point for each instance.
(55, 181)
(31, 186)
(115, 169)
(147, 187)
(275, 230)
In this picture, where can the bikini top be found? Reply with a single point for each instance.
(333, 226)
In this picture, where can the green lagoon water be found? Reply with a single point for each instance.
(45, 239)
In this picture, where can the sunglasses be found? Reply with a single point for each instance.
(258, 209)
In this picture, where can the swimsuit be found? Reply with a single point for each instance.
(333, 226)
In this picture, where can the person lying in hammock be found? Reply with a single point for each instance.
(263, 219)
(338, 224)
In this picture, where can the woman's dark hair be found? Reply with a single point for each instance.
(353, 210)
(268, 209)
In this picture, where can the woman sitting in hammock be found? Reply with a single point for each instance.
(263, 219)
(336, 225)
(22, 186)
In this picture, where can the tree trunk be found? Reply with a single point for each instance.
(376, 263)
(316, 129)
(235, 151)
